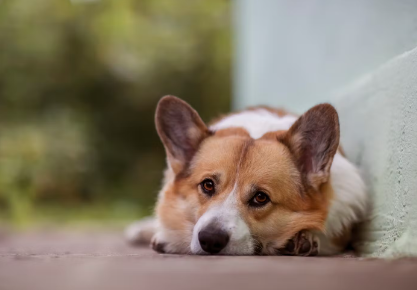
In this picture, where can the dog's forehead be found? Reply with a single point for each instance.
(267, 162)
(219, 154)
(241, 159)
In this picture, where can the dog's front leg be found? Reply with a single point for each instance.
(304, 243)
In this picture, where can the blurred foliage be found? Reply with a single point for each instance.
(79, 82)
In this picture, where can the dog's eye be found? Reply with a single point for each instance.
(259, 199)
(207, 186)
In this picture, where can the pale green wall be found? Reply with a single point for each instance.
(359, 56)
(300, 52)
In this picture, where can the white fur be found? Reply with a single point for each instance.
(179, 241)
(257, 122)
(350, 202)
(227, 216)
(141, 232)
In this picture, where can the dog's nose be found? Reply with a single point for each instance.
(213, 241)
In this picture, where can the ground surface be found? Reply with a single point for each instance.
(96, 260)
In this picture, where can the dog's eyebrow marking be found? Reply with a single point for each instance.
(216, 176)
(244, 151)
(252, 191)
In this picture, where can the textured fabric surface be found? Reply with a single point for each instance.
(379, 133)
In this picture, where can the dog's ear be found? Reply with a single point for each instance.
(313, 140)
(181, 130)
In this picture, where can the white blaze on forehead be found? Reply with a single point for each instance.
(227, 217)
(257, 122)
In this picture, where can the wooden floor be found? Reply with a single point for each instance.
(97, 260)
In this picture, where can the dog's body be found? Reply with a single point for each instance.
(260, 181)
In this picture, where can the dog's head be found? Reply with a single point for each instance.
(231, 194)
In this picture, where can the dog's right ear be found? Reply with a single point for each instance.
(181, 130)
(313, 140)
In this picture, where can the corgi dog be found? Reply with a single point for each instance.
(257, 182)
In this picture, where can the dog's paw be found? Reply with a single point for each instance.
(141, 232)
(304, 243)
(158, 246)
(166, 242)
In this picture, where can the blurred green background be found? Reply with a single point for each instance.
(79, 82)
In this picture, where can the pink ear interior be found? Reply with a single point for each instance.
(313, 140)
(180, 128)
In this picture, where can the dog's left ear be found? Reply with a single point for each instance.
(313, 140)
(181, 130)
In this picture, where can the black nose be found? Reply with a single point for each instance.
(212, 240)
